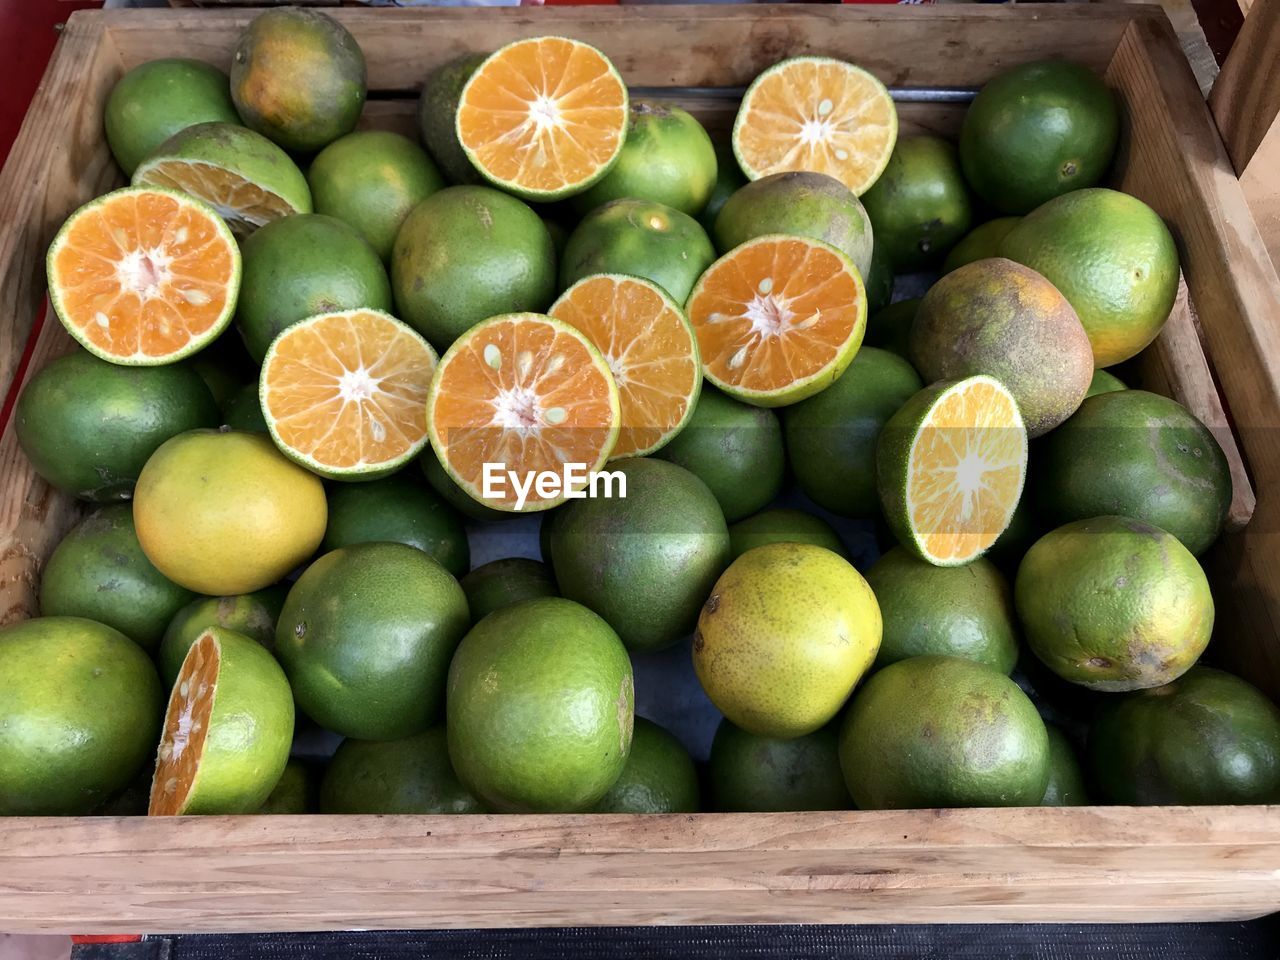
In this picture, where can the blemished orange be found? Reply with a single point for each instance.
(144, 276)
(344, 393)
(778, 319)
(650, 349)
(816, 114)
(543, 117)
(529, 393)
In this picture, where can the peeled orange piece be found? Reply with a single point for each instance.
(778, 319)
(820, 115)
(144, 276)
(543, 118)
(650, 348)
(344, 393)
(528, 395)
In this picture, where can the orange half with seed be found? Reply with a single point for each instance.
(650, 349)
(144, 275)
(778, 319)
(518, 397)
(543, 118)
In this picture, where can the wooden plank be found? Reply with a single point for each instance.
(1245, 101)
(305, 873)
(1261, 185)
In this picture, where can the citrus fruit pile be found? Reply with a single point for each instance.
(323, 371)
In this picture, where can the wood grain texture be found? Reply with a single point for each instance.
(1245, 100)
(1261, 185)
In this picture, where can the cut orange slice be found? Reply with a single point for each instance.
(544, 118)
(816, 114)
(778, 319)
(519, 400)
(650, 348)
(343, 394)
(144, 276)
(950, 468)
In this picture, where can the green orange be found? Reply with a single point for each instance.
(437, 115)
(253, 615)
(500, 583)
(1104, 382)
(729, 178)
(409, 775)
(782, 525)
(659, 776)
(879, 282)
(296, 792)
(1066, 780)
(981, 242)
(752, 774)
(890, 327)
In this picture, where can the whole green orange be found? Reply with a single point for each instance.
(409, 775)
(782, 525)
(437, 115)
(659, 776)
(752, 774)
(920, 206)
(500, 583)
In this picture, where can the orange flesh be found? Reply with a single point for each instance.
(544, 114)
(826, 117)
(647, 346)
(519, 392)
(186, 725)
(244, 205)
(966, 473)
(349, 390)
(774, 312)
(142, 274)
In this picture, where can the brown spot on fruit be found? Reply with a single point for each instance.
(698, 642)
(713, 603)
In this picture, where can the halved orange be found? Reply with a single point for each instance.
(343, 393)
(543, 118)
(778, 318)
(144, 275)
(950, 467)
(527, 395)
(816, 114)
(650, 349)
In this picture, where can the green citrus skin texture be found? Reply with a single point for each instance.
(465, 254)
(1025, 527)
(437, 112)
(943, 732)
(99, 572)
(783, 638)
(541, 707)
(1114, 260)
(667, 157)
(751, 774)
(802, 204)
(782, 525)
(80, 707)
(659, 776)
(1206, 738)
(729, 178)
(397, 509)
(831, 437)
(962, 611)
(1104, 382)
(244, 411)
(1113, 604)
(296, 792)
(370, 180)
(1036, 132)
(878, 282)
(735, 448)
(980, 243)
(640, 238)
(890, 327)
(366, 635)
(88, 425)
(920, 207)
(409, 775)
(452, 494)
(300, 266)
(253, 615)
(644, 562)
(500, 583)
(155, 100)
(1066, 780)
(1137, 454)
(997, 317)
(298, 78)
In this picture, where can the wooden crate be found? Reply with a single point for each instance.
(1081, 864)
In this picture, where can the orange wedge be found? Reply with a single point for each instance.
(343, 394)
(144, 276)
(650, 348)
(526, 394)
(543, 118)
(950, 467)
(778, 319)
(816, 114)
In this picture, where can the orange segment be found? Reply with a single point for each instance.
(186, 726)
(820, 115)
(543, 117)
(344, 393)
(778, 319)
(966, 470)
(144, 276)
(528, 393)
(650, 349)
(244, 204)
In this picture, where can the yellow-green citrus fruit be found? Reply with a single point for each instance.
(253, 615)
(1104, 382)
(296, 792)
(729, 178)
(1066, 780)
(409, 775)
(751, 774)
(980, 243)
(500, 583)
(782, 525)
(659, 776)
